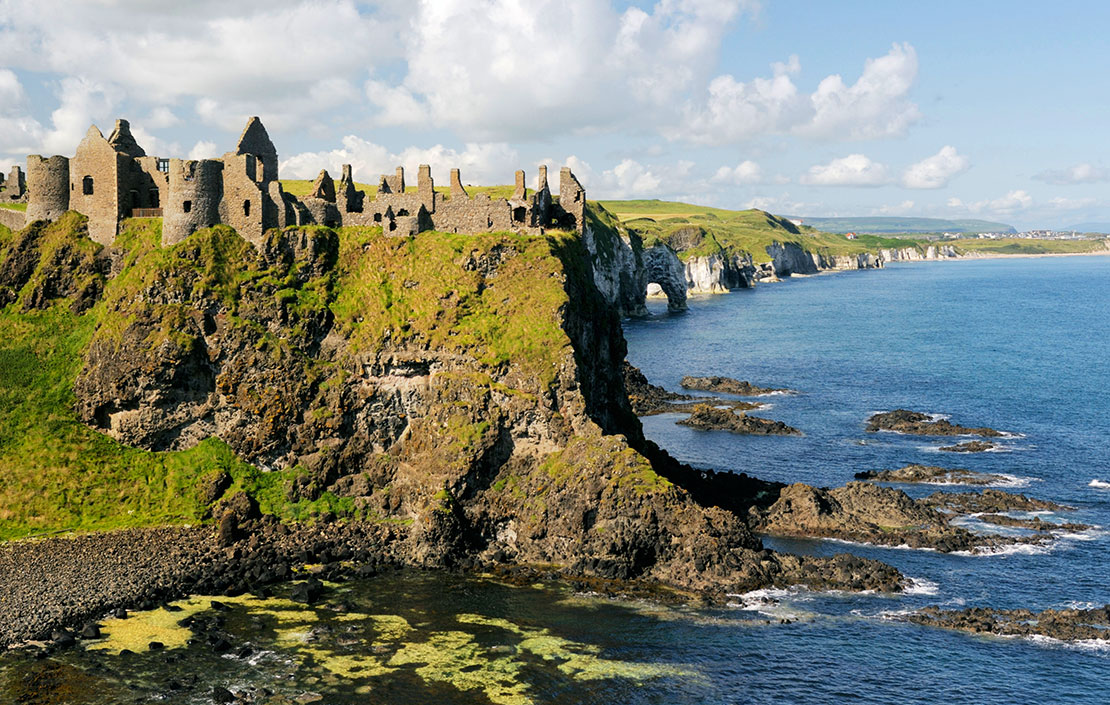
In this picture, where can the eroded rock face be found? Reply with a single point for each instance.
(377, 366)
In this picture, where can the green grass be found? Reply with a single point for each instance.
(14, 206)
(423, 292)
(697, 231)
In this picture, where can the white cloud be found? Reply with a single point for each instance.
(876, 105)
(1071, 204)
(551, 66)
(902, 208)
(479, 163)
(935, 171)
(852, 170)
(1012, 202)
(204, 150)
(745, 173)
(1084, 173)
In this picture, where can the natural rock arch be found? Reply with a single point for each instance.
(665, 270)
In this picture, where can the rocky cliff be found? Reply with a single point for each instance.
(465, 391)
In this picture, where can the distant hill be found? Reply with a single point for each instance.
(695, 231)
(903, 225)
(1103, 228)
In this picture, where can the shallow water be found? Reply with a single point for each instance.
(1019, 345)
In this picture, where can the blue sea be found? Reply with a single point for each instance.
(1016, 344)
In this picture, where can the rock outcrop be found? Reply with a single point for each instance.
(1065, 625)
(706, 417)
(728, 385)
(465, 393)
(919, 424)
(932, 475)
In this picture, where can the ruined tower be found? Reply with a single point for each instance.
(47, 187)
(193, 198)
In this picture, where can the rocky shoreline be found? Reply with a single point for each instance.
(1063, 625)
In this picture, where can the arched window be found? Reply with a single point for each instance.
(87, 185)
(247, 208)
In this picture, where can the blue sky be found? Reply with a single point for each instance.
(949, 109)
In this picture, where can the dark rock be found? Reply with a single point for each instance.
(989, 500)
(1065, 625)
(709, 418)
(931, 474)
(919, 424)
(969, 447)
(307, 592)
(156, 646)
(90, 631)
(223, 696)
(62, 639)
(728, 385)
(213, 486)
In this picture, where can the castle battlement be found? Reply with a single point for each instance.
(109, 179)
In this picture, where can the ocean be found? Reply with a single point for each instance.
(1016, 344)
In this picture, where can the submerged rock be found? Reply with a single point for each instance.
(969, 447)
(710, 418)
(648, 399)
(919, 424)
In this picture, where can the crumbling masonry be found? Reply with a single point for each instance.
(110, 179)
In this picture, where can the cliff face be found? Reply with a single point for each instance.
(913, 254)
(465, 390)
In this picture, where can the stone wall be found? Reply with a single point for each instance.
(12, 220)
(47, 187)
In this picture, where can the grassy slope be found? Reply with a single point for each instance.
(56, 474)
(750, 231)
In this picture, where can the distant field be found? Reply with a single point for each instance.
(905, 225)
(1022, 246)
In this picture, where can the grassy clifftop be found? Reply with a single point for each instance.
(695, 231)
(60, 292)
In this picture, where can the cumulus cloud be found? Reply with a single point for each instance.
(204, 150)
(902, 208)
(1070, 204)
(1012, 202)
(852, 170)
(745, 173)
(553, 66)
(482, 163)
(1084, 173)
(876, 105)
(935, 171)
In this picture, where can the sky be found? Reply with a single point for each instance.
(987, 109)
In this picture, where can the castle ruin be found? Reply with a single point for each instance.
(109, 179)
